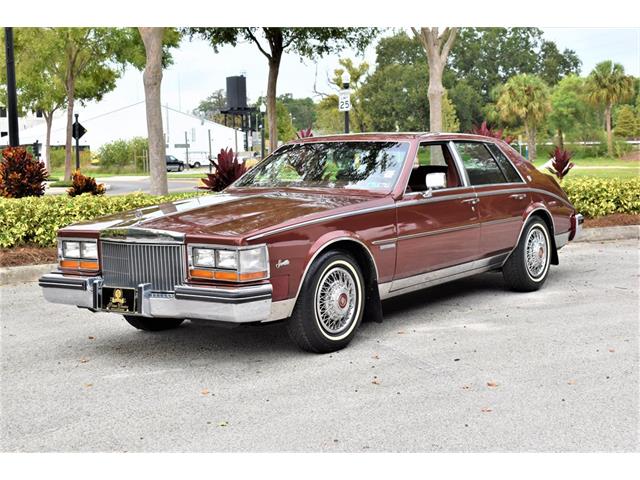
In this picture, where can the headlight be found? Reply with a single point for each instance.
(71, 249)
(78, 254)
(227, 259)
(204, 257)
(234, 264)
(89, 250)
(254, 260)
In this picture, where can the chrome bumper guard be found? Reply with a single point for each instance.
(225, 304)
(577, 227)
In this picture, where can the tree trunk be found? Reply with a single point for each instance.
(437, 48)
(274, 68)
(560, 139)
(607, 121)
(152, 77)
(68, 143)
(531, 143)
(435, 93)
(48, 116)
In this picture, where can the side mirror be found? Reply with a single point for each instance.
(435, 180)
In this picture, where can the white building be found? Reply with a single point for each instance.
(130, 121)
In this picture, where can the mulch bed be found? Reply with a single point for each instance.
(12, 257)
(613, 220)
(30, 255)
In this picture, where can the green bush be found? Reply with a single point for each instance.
(57, 158)
(122, 155)
(594, 197)
(37, 220)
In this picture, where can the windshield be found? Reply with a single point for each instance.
(356, 165)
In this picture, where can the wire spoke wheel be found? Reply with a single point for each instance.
(336, 300)
(536, 252)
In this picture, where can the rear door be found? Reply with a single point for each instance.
(436, 228)
(502, 195)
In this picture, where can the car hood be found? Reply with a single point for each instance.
(225, 215)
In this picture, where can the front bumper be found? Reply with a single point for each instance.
(243, 304)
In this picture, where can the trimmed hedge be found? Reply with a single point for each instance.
(36, 220)
(595, 197)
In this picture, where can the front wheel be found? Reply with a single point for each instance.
(196, 165)
(153, 324)
(527, 267)
(181, 168)
(330, 305)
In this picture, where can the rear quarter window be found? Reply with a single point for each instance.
(505, 164)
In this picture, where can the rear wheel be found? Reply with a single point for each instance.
(196, 165)
(153, 324)
(181, 168)
(527, 268)
(330, 305)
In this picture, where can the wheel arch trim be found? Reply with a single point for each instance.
(538, 209)
(322, 246)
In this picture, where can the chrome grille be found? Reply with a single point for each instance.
(129, 264)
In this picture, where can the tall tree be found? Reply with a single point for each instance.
(525, 98)
(332, 120)
(306, 42)
(567, 106)
(152, 38)
(436, 46)
(554, 66)
(607, 85)
(303, 110)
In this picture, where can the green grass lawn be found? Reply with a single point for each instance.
(587, 167)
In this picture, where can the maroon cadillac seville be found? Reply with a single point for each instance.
(319, 233)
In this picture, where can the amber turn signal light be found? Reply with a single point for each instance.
(226, 276)
(79, 264)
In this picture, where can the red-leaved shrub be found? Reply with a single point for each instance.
(487, 131)
(227, 170)
(83, 184)
(305, 133)
(560, 162)
(20, 174)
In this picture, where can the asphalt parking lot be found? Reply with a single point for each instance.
(461, 367)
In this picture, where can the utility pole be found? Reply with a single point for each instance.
(12, 96)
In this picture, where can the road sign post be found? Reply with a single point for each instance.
(77, 131)
(344, 100)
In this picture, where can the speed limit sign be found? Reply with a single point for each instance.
(344, 101)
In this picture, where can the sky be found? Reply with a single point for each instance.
(197, 70)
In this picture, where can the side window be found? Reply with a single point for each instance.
(433, 158)
(507, 167)
(480, 165)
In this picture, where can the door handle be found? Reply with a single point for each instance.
(518, 196)
(472, 201)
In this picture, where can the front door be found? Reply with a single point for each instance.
(437, 229)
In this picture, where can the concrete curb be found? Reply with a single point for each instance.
(625, 232)
(26, 273)
(31, 273)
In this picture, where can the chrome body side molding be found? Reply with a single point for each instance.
(443, 275)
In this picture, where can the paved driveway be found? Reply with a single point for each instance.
(460, 367)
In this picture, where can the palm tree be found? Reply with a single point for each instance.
(606, 86)
(525, 98)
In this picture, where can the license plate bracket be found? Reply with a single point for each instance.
(119, 300)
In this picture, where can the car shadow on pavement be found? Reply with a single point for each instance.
(194, 339)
